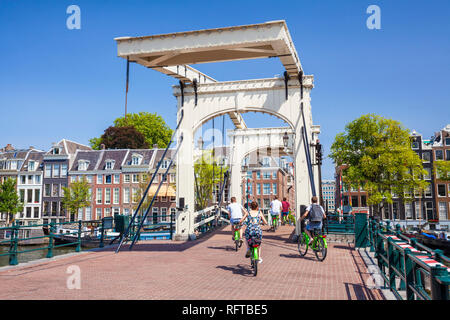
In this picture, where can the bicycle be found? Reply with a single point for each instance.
(237, 236)
(275, 222)
(254, 244)
(318, 244)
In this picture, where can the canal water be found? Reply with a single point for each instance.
(33, 255)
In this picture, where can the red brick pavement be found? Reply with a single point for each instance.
(208, 268)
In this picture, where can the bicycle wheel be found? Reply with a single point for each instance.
(302, 244)
(236, 242)
(321, 250)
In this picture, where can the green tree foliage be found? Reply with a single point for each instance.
(207, 171)
(151, 125)
(9, 200)
(123, 138)
(442, 170)
(376, 154)
(76, 197)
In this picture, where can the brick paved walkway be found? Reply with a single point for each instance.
(208, 268)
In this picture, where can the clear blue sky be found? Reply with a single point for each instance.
(57, 83)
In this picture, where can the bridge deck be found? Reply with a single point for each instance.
(208, 268)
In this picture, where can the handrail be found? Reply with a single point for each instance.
(405, 261)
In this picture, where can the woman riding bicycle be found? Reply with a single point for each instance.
(252, 219)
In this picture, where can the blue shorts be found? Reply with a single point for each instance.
(314, 225)
(235, 220)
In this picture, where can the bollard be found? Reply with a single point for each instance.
(439, 287)
(50, 240)
(101, 235)
(171, 227)
(78, 249)
(13, 245)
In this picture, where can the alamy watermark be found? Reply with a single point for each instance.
(374, 20)
(74, 278)
(74, 20)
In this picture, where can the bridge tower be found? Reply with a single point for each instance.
(201, 98)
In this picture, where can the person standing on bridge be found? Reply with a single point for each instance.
(253, 219)
(235, 210)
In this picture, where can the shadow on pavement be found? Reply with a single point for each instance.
(297, 256)
(243, 270)
(226, 248)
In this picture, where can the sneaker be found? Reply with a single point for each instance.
(247, 255)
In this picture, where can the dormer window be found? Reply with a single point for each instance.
(56, 150)
(31, 165)
(83, 165)
(136, 159)
(165, 164)
(109, 164)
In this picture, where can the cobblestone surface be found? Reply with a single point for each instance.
(208, 268)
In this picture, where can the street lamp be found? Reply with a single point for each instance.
(285, 140)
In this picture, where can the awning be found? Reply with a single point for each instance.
(164, 191)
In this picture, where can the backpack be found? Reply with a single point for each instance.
(315, 214)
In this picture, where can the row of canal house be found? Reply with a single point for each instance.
(431, 206)
(117, 179)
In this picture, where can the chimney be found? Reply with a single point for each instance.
(102, 146)
(31, 147)
(9, 147)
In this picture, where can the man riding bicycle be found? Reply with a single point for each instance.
(235, 210)
(275, 208)
(284, 210)
(315, 215)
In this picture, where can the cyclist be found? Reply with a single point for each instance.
(275, 208)
(252, 220)
(315, 214)
(284, 209)
(235, 210)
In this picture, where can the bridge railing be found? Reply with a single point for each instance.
(409, 269)
(14, 236)
(339, 224)
(209, 219)
(163, 228)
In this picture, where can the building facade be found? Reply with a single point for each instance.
(328, 194)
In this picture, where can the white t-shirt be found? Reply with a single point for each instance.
(235, 210)
(276, 206)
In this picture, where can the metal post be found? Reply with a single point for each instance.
(78, 249)
(408, 274)
(13, 245)
(171, 226)
(391, 265)
(50, 240)
(102, 231)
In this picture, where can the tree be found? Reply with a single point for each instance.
(76, 196)
(123, 138)
(207, 175)
(150, 125)
(376, 154)
(9, 200)
(442, 170)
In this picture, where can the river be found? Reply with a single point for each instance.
(34, 255)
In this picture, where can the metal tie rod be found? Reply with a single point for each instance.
(150, 183)
(156, 193)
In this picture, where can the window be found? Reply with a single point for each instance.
(258, 175)
(117, 178)
(109, 165)
(56, 170)
(441, 190)
(274, 175)
(443, 211)
(22, 195)
(55, 191)
(37, 195)
(429, 210)
(116, 211)
(266, 203)
(418, 210)
(88, 213)
(23, 179)
(165, 164)
(439, 154)
(83, 165)
(266, 188)
(99, 196)
(126, 211)
(89, 193)
(63, 170)
(163, 199)
(107, 212)
(135, 178)
(99, 179)
(126, 178)
(428, 174)
(107, 196)
(173, 212)
(54, 208)
(428, 191)
(155, 215)
(37, 179)
(426, 157)
(274, 188)
(28, 212)
(98, 213)
(415, 145)
(173, 178)
(447, 154)
(80, 214)
(108, 179)
(408, 210)
(447, 141)
(30, 179)
(89, 178)
(126, 195)
(164, 214)
(135, 160)
(48, 171)
(173, 199)
(249, 174)
(134, 199)
(355, 201)
(116, 196)
(266, 175)
(266, 162)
